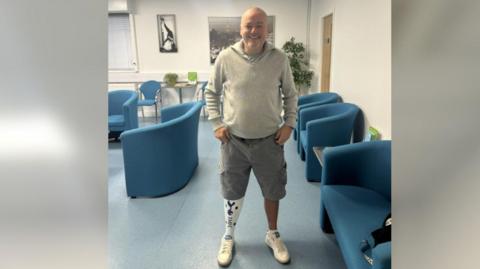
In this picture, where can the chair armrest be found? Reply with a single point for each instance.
(130, 112)
(365, 164)
(132, 101)
(382, 256)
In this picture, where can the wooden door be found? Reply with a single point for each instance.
(326, 52)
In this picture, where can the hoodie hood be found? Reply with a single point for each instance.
(238, 48)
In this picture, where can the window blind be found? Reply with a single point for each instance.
(120, 53)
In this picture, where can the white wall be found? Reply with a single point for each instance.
(361, 55)
(120, 5)
(192, 30)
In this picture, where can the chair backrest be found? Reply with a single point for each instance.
(368, 162)
(327, 110)
(171, 115)
(200, 90)
(203, 85)
(177, 111)
(380, 179)
(116, 99)
(150, 88)
(326, 97)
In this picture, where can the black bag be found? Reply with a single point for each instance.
(380, 235)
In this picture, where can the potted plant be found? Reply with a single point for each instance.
(170, 79)
(296, 54)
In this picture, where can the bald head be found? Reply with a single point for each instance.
(253, 29)
(254, 11)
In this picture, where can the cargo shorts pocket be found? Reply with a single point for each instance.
(283, 173)
(221, 163)
(221, 169)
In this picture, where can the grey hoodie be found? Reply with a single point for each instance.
(253, 89)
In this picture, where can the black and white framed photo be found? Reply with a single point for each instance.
(225, 31)
(167, 33)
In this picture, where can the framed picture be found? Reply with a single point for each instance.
(167, 33)
(225, 31)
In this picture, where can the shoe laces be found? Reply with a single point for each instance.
(277, 242)
(226, 245)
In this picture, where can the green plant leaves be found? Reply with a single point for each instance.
(296, 55)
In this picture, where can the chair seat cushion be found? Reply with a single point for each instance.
(148, 102)
(116, 120)
(354, 213)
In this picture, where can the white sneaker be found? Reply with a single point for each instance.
(225, 254)
(280, 251)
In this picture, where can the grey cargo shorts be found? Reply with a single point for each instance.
(263, 156)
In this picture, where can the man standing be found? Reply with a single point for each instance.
(254, 78)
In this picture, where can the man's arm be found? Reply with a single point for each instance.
(290, 96)
(213, 93)
(289, 104)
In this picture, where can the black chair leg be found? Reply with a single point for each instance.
(114, 135)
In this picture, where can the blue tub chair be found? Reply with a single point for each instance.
(314, 99)
(122, 110)
(356, 198)
(324, 126)
(160, 159)
(150, 91)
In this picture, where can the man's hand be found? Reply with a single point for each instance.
(283, 134)
(222, 134)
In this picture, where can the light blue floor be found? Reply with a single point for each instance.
(183, 230)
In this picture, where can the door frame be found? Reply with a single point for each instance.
(325, 82)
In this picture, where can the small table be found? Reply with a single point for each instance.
(180, 85)
(319, 153)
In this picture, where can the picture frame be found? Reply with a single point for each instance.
(167, 33)
(225, 31)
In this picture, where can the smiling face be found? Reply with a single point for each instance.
(253, 29)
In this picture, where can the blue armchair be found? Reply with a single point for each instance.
(122, 110)
(324, 126)
(160, 159)
(314, 99)
(356, 198)
(149, 90)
